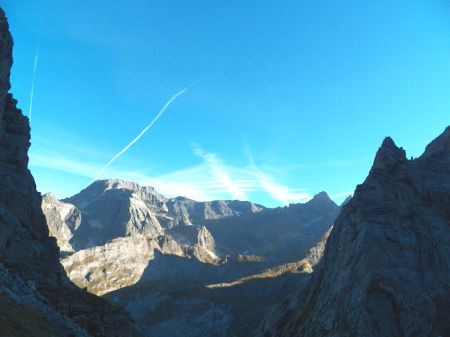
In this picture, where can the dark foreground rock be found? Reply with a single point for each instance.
(386, 267)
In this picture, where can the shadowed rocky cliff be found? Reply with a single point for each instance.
(386, 267)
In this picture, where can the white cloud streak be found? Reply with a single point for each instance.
(33, 80)
(125, 149)
(221, 174)
(281, 193)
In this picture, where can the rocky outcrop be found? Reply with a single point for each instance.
(205, 248)
(63, 220)
(122, 262)
(106, 268)
(32, 281)
(386, 269)
(118, 264)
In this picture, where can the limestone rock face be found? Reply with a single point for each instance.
(34, 290)
(106, 268)
(205, 248)
(386, 266)
(121, 263)
(315, 253)
(63, 220)
(114, 208)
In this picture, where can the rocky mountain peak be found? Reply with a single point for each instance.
(388, 155)
(321, 202)
(438, 148)
(114, 190)
(116, 184)
(322, 198)
(100, 187)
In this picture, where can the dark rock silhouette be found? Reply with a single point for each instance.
(386, 267)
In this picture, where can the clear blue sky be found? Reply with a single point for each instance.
(295, 96)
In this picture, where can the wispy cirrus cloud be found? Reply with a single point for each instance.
(279, 192)
(199, 182)
(57, 161)
(222, 176)
(211, 179)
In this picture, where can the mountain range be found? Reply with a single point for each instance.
(113, 230)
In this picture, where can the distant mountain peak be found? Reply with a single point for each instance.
(321, 198)
(183, 199)
(117, 186)
(113, 184)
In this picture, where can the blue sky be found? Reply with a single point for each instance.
(294, 97)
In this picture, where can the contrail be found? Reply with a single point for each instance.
(36, 58)
(160, 113)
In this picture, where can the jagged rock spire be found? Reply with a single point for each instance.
(389, 155)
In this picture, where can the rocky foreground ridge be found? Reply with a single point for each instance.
(386, 266)
(36, 297)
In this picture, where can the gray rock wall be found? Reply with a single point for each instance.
(386, 267)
